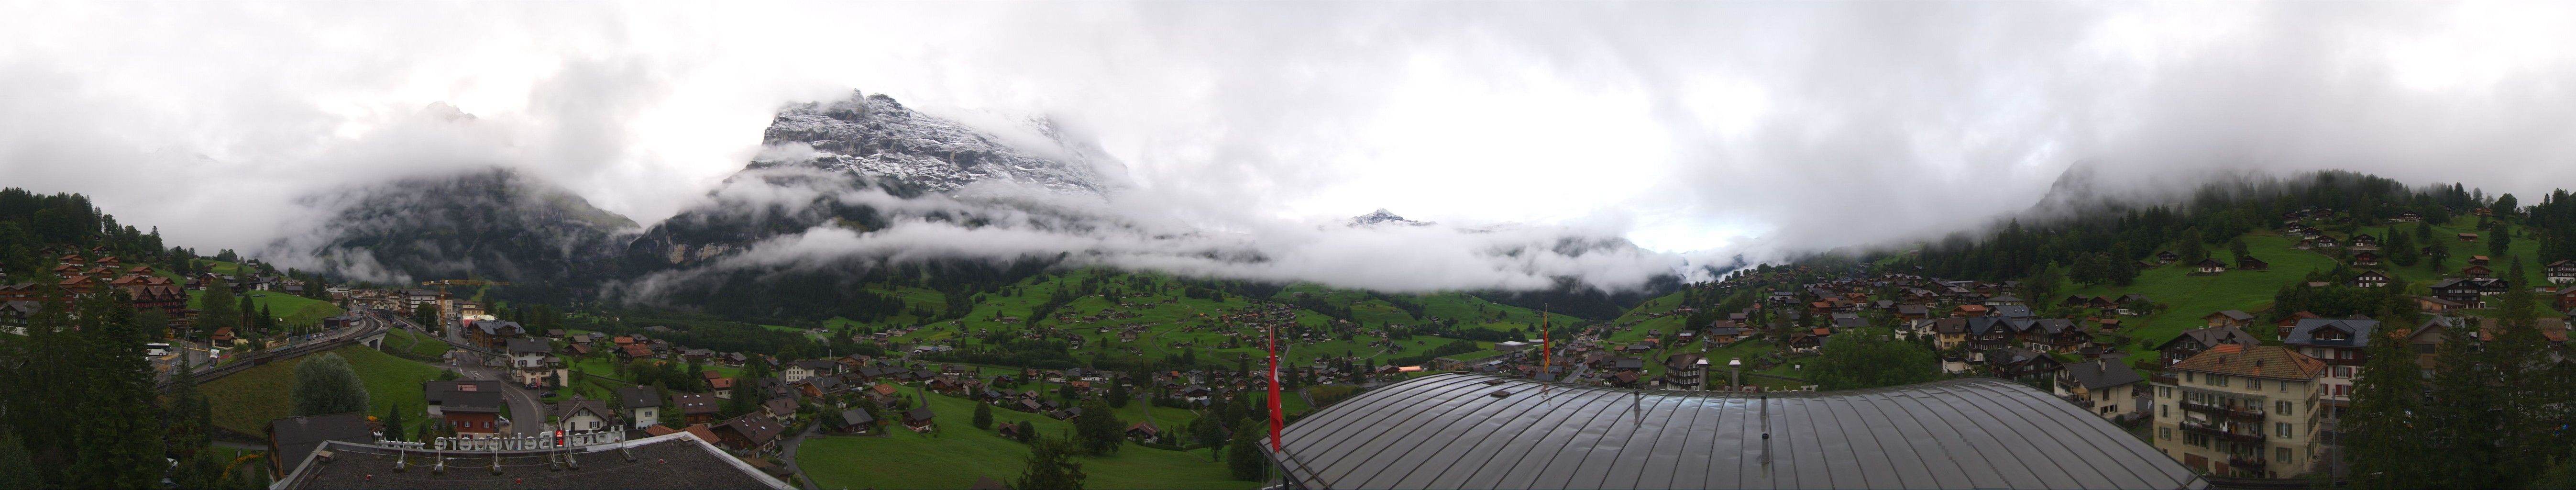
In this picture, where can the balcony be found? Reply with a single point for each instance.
(2221, 433)
(2235, 412)
(2167, 378)
(2245, 463)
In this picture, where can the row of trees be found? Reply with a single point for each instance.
(82, 401)
(2492, 413)
(2098, 247)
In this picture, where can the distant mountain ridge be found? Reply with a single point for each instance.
(862, 164)
(492, 223)
(1381, 216)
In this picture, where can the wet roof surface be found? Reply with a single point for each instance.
(1450, 431)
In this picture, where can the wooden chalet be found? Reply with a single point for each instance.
(2249, 263)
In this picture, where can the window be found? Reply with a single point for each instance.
(594, 425)
(2282, 407)
(2218, 380)
(2165, 433)
(2283, 428)
(2165, 411)
(2281, 455)
(2251, 383)
(2188, 376)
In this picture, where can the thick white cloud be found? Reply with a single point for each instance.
(1689, 126)
(1012, 221)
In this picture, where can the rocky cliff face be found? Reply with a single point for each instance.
(822, 153)
(875, 136)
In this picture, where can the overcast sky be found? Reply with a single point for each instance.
(1685, 126)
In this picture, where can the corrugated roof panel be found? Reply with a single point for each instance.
(1442, 431)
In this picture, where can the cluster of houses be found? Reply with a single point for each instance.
(83, 276)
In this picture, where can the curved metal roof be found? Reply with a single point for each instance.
(1453, 431)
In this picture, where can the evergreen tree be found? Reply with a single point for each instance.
(697, 380)
(17, 467)
(2500, 241)
(2400, 250)
(2519, 357)
(325, 384)
(1118, 393)
(2381, 433)
(1244, 459)
(120, 444)
(189, 417)
(2191, 248)
(204, 470)
(394, 423)
(983, 416)
(2458, 428)
(1051, 466)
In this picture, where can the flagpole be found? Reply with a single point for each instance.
(1546, 347)
(1275, 417)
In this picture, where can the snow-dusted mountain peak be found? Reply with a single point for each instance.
(874, 135)
(1382, 216)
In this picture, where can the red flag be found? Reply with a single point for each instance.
(1275, 417)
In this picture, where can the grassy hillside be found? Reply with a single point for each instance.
(246, 401)
(2187, 298)
(960, 454)
(297, 310)
(1175, 322)
(423, 345)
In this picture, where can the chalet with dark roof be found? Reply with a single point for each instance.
(2229, 318)
(2105, 387)
(2030, 367)
(2337, 341)
(2192, 342)
(754, 433)
(2249, 263)
(641, 404)
(291, 439)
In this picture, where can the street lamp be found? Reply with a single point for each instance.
(1736, 366)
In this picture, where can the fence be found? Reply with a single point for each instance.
(268, 356)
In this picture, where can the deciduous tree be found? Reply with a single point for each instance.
(1867, 358)
(1244, 459)
(1051, 466)
(325, 384)
(1098, 429)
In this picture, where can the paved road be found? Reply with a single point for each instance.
(527, 412)
(789, 453)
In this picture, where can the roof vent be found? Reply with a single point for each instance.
(1501, 393)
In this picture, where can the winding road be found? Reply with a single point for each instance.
(527, 411)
